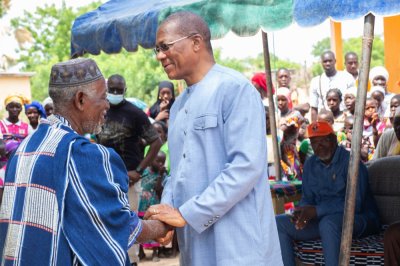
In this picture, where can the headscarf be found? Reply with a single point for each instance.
(47, 101)
(378, 71)
(283, 91)
(377, 88)
(155, 108)
(38, 106)
(260, 80)
(18, 98)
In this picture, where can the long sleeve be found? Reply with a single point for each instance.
(96, 205)
(245, 147)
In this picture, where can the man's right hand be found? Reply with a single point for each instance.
(166, 214)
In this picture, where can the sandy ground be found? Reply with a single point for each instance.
(163, 261)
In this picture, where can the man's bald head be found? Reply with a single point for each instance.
(328, 54)
(188, 23)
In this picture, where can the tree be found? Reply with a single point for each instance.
(349, 45)
(4, 6)
(51, 30)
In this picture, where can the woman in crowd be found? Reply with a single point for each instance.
(34, 111)
(260, 83)
(48, 106)
(12, 127)
(159, 111)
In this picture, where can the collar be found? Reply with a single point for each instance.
(8, 123)
(58, 119)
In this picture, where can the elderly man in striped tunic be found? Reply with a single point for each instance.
(65, 199)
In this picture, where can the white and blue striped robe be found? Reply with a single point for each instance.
(65, 202)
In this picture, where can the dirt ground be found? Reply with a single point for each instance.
(163, 261)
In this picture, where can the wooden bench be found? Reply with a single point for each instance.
(384, 178)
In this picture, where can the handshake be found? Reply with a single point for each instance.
(168, 215)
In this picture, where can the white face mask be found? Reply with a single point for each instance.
(115, 98)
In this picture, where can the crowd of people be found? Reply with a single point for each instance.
(94, 179)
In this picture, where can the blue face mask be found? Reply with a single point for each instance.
(115, 99)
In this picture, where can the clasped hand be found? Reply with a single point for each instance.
(168, 215)
(303, 215)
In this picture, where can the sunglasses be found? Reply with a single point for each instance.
(165, 46)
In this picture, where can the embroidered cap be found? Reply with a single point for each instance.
(74, 72)
(318, 129)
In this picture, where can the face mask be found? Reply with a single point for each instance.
(115, 98)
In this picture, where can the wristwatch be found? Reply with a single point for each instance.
(139, 170)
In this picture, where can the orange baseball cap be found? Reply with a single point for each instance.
(319, 128)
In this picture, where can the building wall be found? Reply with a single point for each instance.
(14, 83)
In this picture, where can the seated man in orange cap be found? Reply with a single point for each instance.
(320, 212)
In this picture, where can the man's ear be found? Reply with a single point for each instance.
(197, 42)
(79, 100)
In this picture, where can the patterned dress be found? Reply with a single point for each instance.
(149, 197)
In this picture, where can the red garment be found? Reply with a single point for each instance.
(260, 79)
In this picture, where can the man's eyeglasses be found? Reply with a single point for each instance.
(165, 46)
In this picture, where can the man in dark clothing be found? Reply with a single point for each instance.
(321, 208)
(125, 130)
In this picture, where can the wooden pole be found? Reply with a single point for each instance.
(271, 107)
(352, 176)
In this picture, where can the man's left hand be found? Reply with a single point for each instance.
(305, 215)
(166, 214)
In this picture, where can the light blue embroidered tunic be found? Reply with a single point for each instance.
(219, 178)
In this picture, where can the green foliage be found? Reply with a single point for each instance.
(276, 62)
(51, 30)
(4, 6)
(141, 71)
(349, 45)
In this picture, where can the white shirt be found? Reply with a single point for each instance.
(321, 84)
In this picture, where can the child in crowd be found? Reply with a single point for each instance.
(350, 100)
(7, 148)
(152, 178)
(378, 93)
(305, 149)
(373, 127)
(326, 115)
(334, 99)
(394, 103)
(290, 161)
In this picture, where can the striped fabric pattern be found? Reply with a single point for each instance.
(65, 202)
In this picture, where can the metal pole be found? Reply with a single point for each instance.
(352, 176)
(271, 107)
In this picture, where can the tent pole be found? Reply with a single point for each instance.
(352, 176)
(271, 107)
